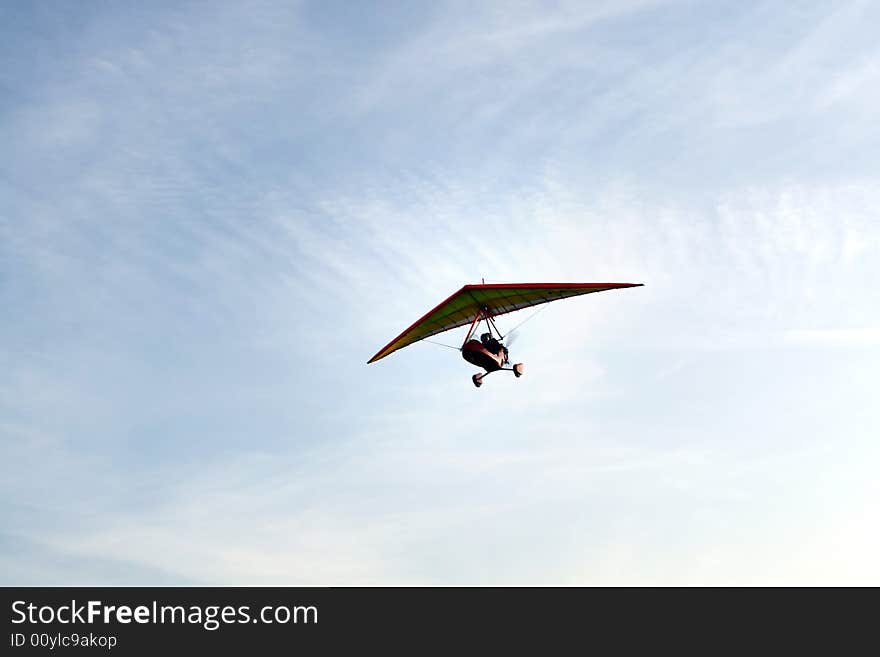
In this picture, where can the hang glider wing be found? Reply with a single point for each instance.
(497, 299)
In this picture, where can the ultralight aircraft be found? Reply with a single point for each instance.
(483, 302)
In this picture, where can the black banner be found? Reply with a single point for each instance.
(127, 621)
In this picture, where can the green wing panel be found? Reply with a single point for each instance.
(498, 299)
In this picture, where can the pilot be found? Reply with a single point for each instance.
(493, 346)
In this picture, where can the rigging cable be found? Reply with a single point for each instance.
(541, 309)
(440, 344)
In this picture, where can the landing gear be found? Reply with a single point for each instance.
(516, 369)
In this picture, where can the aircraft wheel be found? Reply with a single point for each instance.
(518, 370)
(477, 379)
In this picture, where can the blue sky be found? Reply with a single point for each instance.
(213, 214)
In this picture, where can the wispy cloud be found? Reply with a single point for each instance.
(835, 337)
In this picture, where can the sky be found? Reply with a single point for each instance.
(212, 214)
